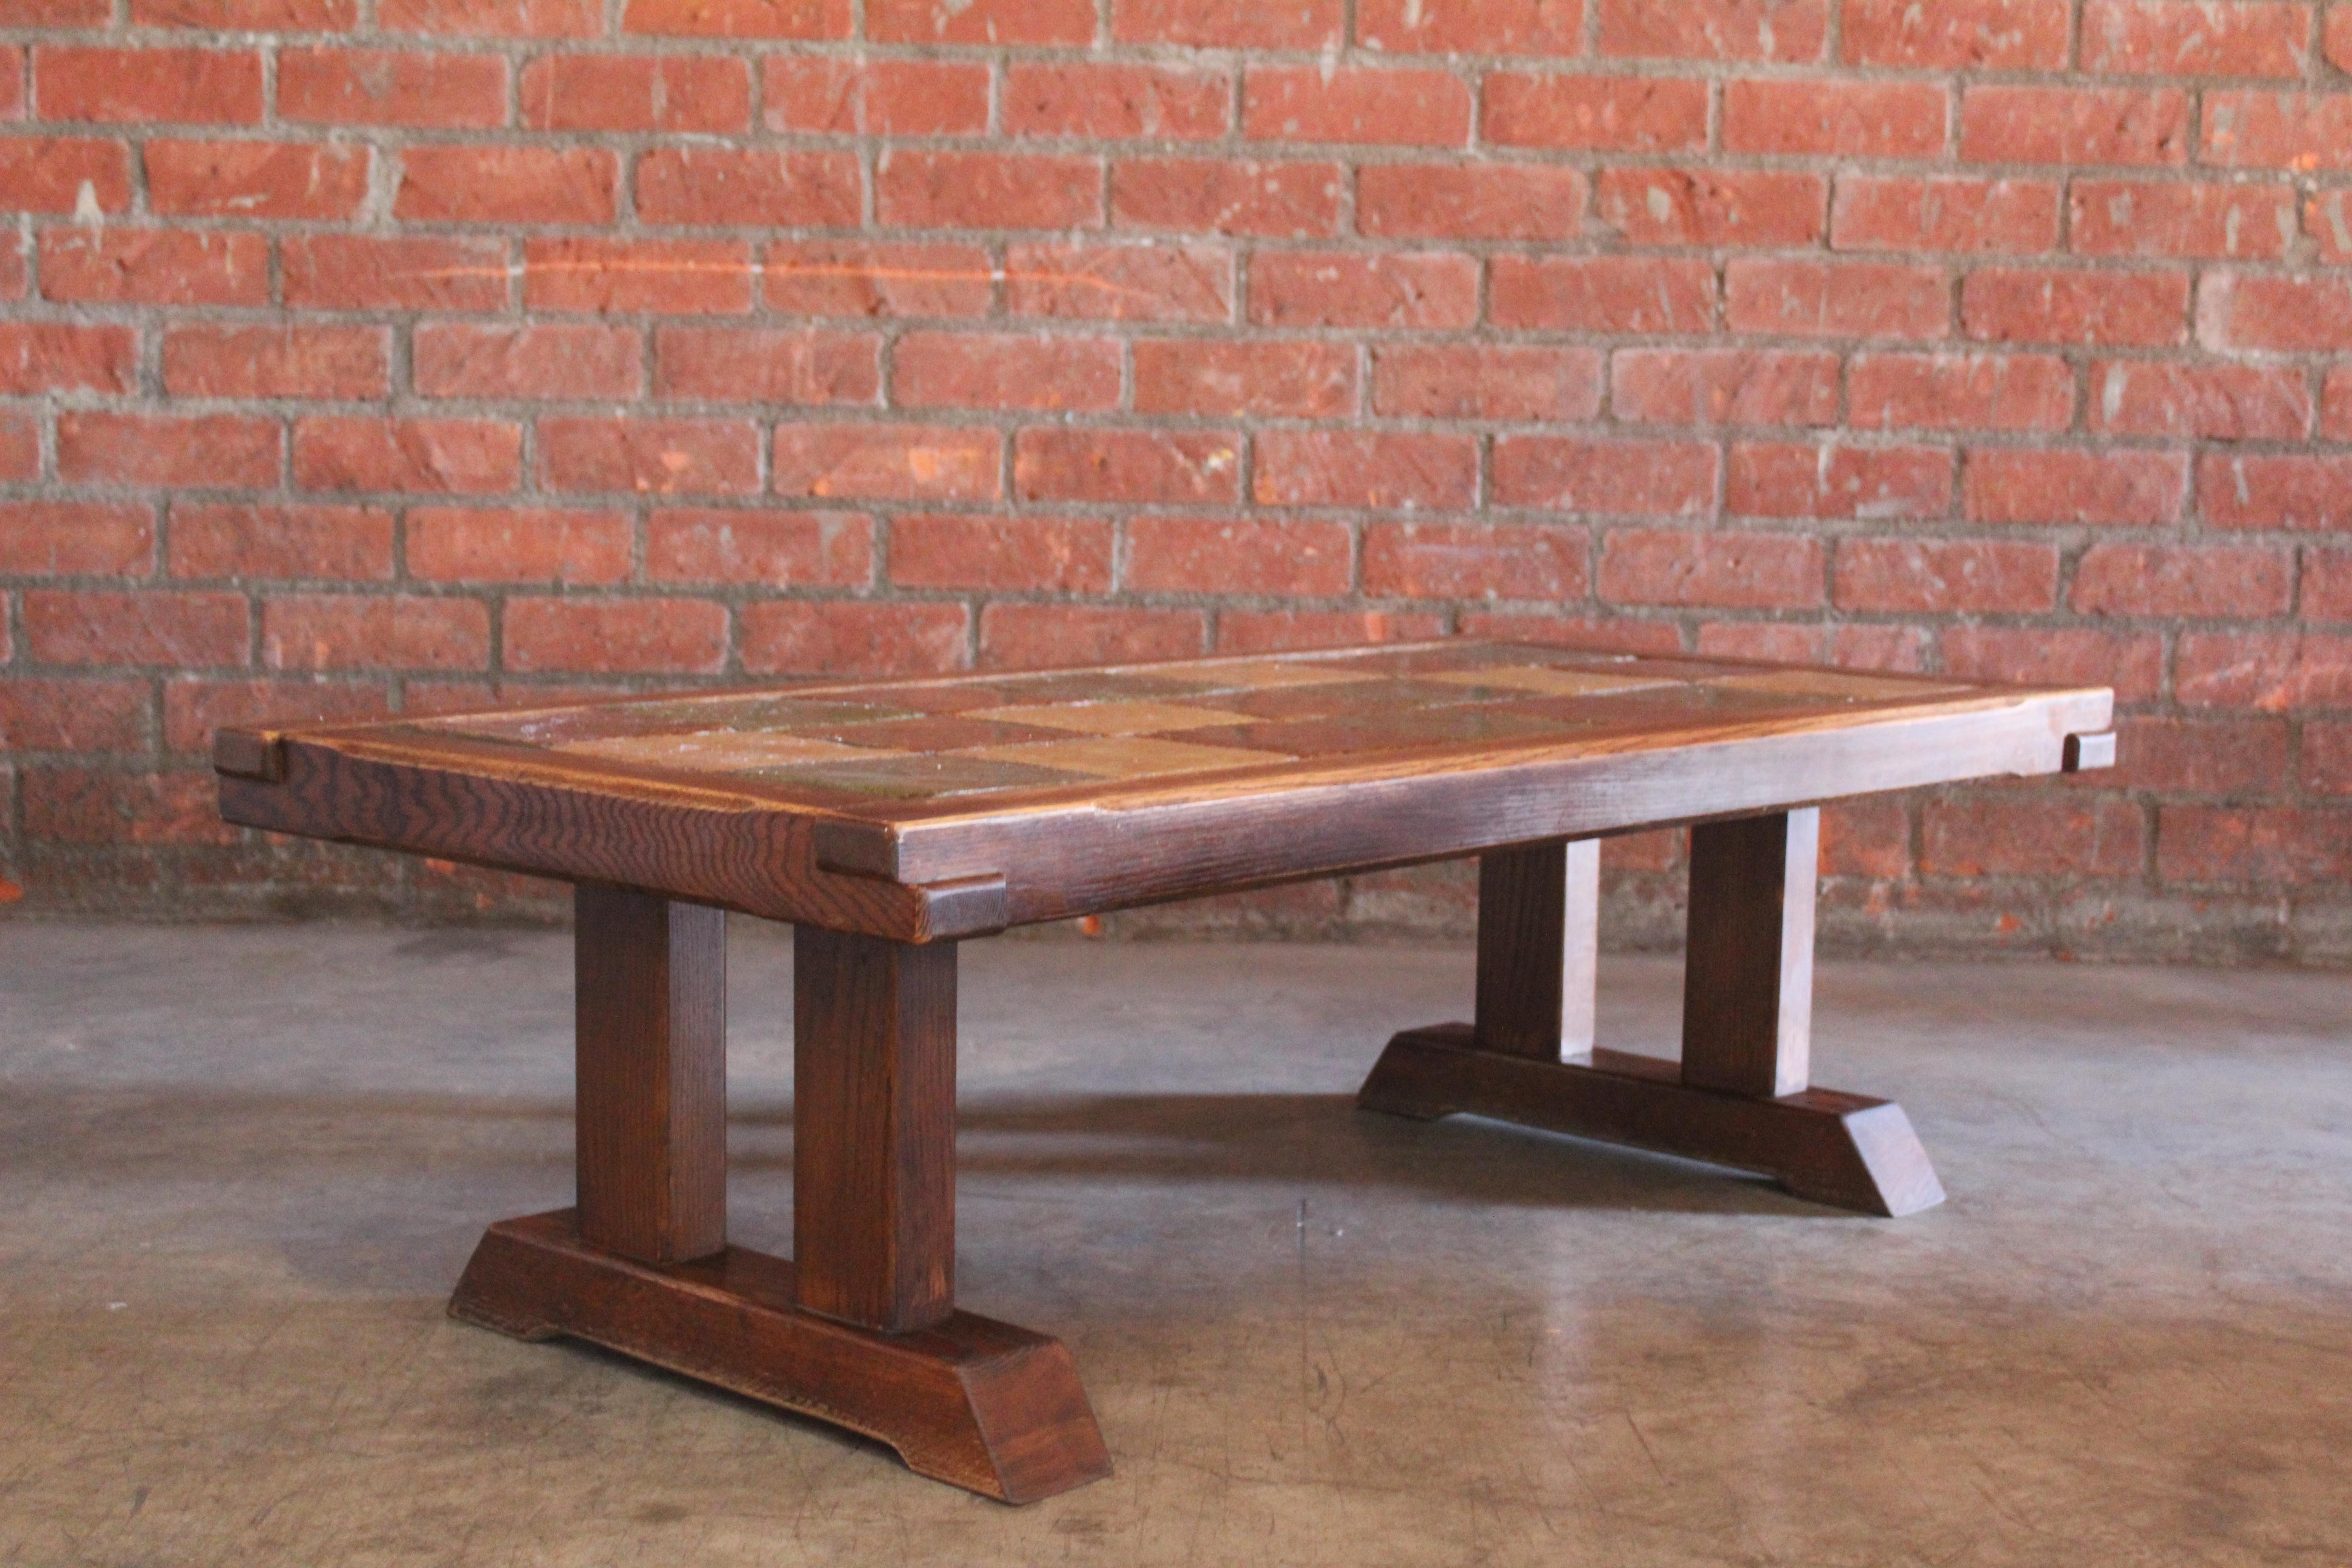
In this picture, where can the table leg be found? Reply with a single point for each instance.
(1740, 1097)
(863, 1331)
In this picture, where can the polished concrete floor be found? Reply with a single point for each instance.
(240, 1170)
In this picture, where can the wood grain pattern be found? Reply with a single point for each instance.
(1748, 976)
(1843, 1150)
(969, 1401)
(873, 1128)
(650, 993)
(1522, 919)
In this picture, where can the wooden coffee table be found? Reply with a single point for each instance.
(888, 820)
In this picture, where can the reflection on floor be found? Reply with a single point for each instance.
(240, 1170)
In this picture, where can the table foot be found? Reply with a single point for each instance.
(1843, 1150)
(969, 1401)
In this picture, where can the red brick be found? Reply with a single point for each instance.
(1470, 201)
(2272, 671)
(148, 87)
(1603, 293)
(733, 364)
(1302, 379)
(364, 272)
(509, 544)
(650, 456)
(2061, 486)
(493, 18)
(1970, 217)
(506, 185)
(1221, 196)
(2176, 581)
(185, 631)
(2270, 844)
(1486, 381)
(1946, 576)
(1399, 108)
(1692, 206)
(2327, 585)
(739, 18)
(60, 356)
(729, 187)
(194, 710)
(467, 457)
(2327, 759)
(1228, 24)
(2004, 304)
(2199, 756)
(452, 359)
(1121, 282)
(1235, 555)
(2118, 217)
(1724, 386)
(1834, 119)
(2289, 490)
(68, 537)
(1960, 391)
(838, 637)
(1638, 479)
(1364, 469)
(2031, 835)
(1866, 838)
(828, 94)
(896, 462)
(2212, 401)
(2335, 424)
(20, 447)
(1742, 571)
(2311, 314)
(1836, 299)
(1957, 35)
(332, 543)
(2056, 656)
(1490, 27)
(1616, 634)
(992, 22)
(678, 94)
(774, 549)
(2338, 37)
(49, 174)
(1336, 289)
(851, 279)
(1802, 480)
(1047, 554)
(988, 190)
(1476, 561)
(1109, 102)
(1039, 636)
(1603, 113)
(1177, 467)
(1282, 631)
(2327, 219)
(203, 451)
(2212, 37)
(2272, 130)
(248, 16)
(973, 370)
(153, 266)
(391, 87)
(1784, 31)
(76, 805)
(683, 636)
(276, 360)
(2074, 125)
(672, 277)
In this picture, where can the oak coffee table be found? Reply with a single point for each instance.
(889, 820)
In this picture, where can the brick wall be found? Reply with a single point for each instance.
(393, 354)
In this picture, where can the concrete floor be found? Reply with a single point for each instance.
(240, 1170)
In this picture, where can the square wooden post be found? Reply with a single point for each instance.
(651, 1002)
(1748, 984)
(873, 1128)
(1538, 948)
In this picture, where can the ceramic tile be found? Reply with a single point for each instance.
(717, 751)
(1112, 717)
(1130, 756)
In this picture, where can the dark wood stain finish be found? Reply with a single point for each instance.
(1748, 982)
(1522, 920)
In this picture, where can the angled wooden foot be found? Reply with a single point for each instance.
(1843, 1150)
(864, 1331)
(1739, 1097)
(969, 1401)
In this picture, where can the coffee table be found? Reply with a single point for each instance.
(889, 820)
